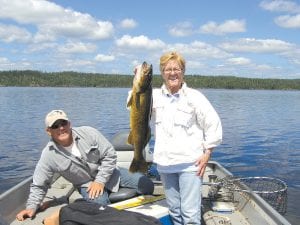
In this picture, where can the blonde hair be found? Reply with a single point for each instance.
(165, 58)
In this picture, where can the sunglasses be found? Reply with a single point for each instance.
(59, 123)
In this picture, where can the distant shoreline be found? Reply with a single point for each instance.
(30, 78)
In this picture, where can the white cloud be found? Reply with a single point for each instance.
(293, 56)
(296, 61)
(41, 47)
(3, 60)
(44, 36)
(10, 33)
(51, 20)
(229, 26)
(191, 64)
(239, 61)
(104, 58)
(77, 47)
(257, 45)
(280, 6)
(6, 64)
(265, 67)
(76, 63)
(181, 29)
(199, 50)
(30, 11)
(139, 42)
(288, 21)
(77, 26)
(128, 23)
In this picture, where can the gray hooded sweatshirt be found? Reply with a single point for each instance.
(97, 163)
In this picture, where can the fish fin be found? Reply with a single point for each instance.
(138, 166)
(137, 101)
(129, 101)
(129, 139)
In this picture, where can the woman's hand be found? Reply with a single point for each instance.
(202, 162)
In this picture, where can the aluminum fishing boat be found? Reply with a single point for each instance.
(224, 201)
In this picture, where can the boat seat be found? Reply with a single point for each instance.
(125, 151)
(119, 141)
(122, 194)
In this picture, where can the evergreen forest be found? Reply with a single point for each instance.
(29, 78)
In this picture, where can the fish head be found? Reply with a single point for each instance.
(143, 76)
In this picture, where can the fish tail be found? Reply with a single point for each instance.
(138, 166)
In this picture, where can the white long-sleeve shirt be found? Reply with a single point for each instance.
(185, 125)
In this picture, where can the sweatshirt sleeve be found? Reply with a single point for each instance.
(41, 181)
(108, 159)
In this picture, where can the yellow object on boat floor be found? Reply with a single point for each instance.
(137, 201)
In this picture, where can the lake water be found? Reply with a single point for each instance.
(261, 129)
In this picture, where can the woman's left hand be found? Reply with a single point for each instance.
(202, 162)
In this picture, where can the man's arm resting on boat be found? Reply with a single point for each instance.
(30, 213)
(26, 213)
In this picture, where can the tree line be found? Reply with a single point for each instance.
(30, 78)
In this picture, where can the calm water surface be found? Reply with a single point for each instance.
(261, 129)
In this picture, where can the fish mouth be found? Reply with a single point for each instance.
(147, 68)
(143, 69)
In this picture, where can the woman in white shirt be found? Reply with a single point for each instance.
(187, 128)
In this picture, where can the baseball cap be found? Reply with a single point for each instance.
(55, 115)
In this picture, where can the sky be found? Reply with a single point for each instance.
(243, 38)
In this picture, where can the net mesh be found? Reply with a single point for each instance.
(272, 190)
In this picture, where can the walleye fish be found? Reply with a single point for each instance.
(140, 104)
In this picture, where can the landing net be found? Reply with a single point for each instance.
(272, 190)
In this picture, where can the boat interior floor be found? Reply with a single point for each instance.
(230, 208)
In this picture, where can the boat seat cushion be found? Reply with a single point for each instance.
(122, 194)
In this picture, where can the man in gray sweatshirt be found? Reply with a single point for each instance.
(83, 156)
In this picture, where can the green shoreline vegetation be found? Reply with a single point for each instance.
(30, 78)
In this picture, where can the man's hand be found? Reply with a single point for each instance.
(202, 162)
(53, 219)
(95, 189)
(26, 213)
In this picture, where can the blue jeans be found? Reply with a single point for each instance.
(183, 195)
(138, 181)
